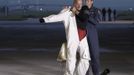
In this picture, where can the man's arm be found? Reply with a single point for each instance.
(54, 18)
(92, 20)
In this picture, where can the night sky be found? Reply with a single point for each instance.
(118, 4)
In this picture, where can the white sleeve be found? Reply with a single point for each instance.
(55, 18)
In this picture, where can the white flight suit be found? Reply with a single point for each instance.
(73, 43)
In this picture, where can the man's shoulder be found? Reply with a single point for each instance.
(65, 9)
(95, 9)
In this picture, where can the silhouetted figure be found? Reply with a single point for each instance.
(103, 14)
(114, 14)
(105, 72)
(109, 14)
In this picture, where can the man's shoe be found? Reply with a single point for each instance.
(105, 72)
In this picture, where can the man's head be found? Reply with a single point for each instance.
(77, 4)
(89, 3)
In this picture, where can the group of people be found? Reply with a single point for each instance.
(111, 14)
(80, 22)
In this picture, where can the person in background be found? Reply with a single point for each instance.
(109, 14)
(114, 14)
(103, 14)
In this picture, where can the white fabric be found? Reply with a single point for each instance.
(73, 43)
(83, 63)
(82, 67)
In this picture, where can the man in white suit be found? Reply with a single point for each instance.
(76, 39)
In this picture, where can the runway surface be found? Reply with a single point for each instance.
(44, 63)
(31, 48)
(31, 34)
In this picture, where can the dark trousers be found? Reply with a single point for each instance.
(94, 49)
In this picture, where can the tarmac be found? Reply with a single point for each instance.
(44, 63)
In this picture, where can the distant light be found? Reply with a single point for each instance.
(131, 9)
(41, 9)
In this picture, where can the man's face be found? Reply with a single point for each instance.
(89, 3)
(78, 4)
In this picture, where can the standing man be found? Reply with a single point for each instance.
(93, 37)
(109, 14)
(103, 14)
(76, 39)
(114, 14)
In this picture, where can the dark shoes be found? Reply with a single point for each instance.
(105, 72)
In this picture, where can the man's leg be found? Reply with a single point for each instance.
(82, 67)
(71, 60)
(83, 63)
(94, 49)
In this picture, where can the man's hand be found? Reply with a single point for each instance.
(41, 20)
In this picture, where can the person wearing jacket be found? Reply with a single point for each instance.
(76, 39)
(93, 41)
(87, 18)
